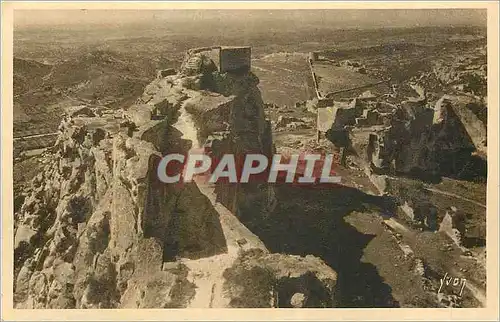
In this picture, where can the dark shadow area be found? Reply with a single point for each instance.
(311, 221)
(171, 247)
(474, 169)
(471, 242)
(460, 162)
(180, 215)
(460, 166)
(193, 230)
(339, 138)
(422, 175)
(480, 110)
(316, 293)
(18, 202)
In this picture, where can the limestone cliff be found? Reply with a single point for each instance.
(98, 229)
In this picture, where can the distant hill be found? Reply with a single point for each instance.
(97, 78)
(93, 65)
(28, 75)
(102, 77)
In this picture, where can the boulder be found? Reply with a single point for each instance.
(211, 112)
(453, 225)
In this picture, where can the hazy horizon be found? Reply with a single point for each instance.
(335, 18)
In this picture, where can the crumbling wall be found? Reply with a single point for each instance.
(235, 59)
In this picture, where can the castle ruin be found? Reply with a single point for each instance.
(228, 59)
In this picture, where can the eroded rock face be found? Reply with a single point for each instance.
(148, 285)
(453, 225)
(79, 219)
(97, 226)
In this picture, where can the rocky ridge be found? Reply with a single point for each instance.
(97, 229)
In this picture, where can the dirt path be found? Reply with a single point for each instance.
(450, 194)
(207, 273)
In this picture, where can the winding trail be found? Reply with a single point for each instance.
(450, 194)
(207, 273)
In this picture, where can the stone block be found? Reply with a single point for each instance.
(235, 59)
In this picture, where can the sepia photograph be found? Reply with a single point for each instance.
(195, 157)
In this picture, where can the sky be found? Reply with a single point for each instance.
(337, 18)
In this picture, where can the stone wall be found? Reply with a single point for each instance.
(234, 59)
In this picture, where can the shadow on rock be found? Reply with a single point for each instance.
(180, 215)
(312, 222)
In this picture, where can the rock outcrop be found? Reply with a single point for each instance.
(453, 225)
(418, 138)
(98, 229)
